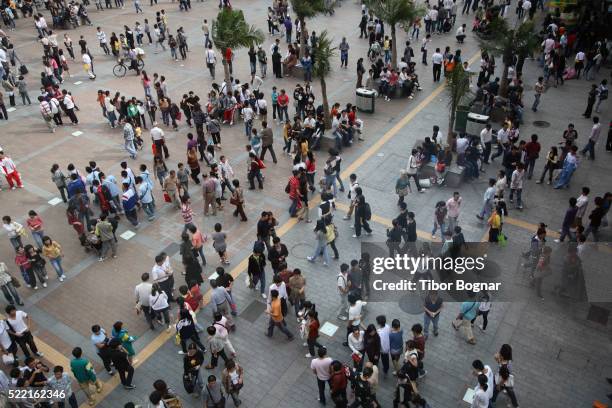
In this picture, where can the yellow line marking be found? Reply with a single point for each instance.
(154, 345)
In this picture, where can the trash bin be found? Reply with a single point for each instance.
(364, 100)
(475, 123)
(461, 118)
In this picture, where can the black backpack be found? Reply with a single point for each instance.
(367, 211)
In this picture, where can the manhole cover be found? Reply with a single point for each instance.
(301, 251)
(411, 304)
(541, 124)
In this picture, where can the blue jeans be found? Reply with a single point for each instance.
(428, 319)
(37, 236)
(330, 180)
(565, 176)
(57, 265)
(201, 253)
(16, 242)
(288, 36)
(282, 110)
(519, 196)
(10, 293)
(293, 207)
(149, 209)
(589, 147)
(321, 246)
(248, 126)
(442, 230)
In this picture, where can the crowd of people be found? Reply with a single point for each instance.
(97, 201)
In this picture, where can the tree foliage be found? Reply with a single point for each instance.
(458, 88)
(308, 8)
(323, 53)
(230, 29)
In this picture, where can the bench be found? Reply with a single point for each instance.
(454, 173)
(298, 72)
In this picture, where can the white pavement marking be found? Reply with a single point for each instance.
(328, 329)
(213, 276)
(55, 201)
(381, 154)
(128, 235)
(469, 395)
(77, 133)
(11, 110)
(78, 82)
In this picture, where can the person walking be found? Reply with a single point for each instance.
(439, 220)
(84, 373)
(552, 163)
(100, 341)
(256, 268)
(412, 169)
(592, 96)
(453, 206)
(532, 153)
(363, 214)
(141, 293)
(602, 93)
(484, 306)
(465, 316)
(274, 310)
(128, 137)
(538, 89)
(121, 360)
(192, 363)
(321, 235)
(593, 137)
(344, 49)
(321, 368)
(570, 163)
(232, 378)
(516, 185)
(267, 139)
(104, 231)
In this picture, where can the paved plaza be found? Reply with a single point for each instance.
(561, 354)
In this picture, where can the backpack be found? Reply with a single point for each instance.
(367, 211)
(328, 170)
(330, 233)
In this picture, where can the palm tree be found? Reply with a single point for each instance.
(323, 54)
(458, 86)
(394, 12)
(230, 30)
(509, 43)
(307, 9)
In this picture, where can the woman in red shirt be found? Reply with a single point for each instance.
(35, 224)
(313, 333)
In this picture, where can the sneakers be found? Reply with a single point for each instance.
(181, 352)
(308, 355)
(39, 354)
(355, 236)
(129, 387)
(343, 318)
(310, 259)
(263, 295)
(61, 278)
(44, 285)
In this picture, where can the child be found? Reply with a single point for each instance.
(22, 86)
(183, 177)
(219, 244)
(138, 138)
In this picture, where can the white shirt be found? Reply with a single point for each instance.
(462, 144)
(480, 398)
(101, 36)
(19, 323)
(580, 56)
(321, 367)
(157, 133)
(383, 333)
(355, 344)
(247, 113)
(282, 291)
(68, 102)
(490, 383)
(341, 284)
(502, 136)
(142, 292)
(486, 135)
(160, 273)
(582, 204)
(227, 172)
(86, 59)
(526, 7)
(437, 58)
(211, 58)
(158, 301)
(354, 312)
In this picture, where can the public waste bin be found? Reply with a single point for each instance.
(475, 123)
(364, 100)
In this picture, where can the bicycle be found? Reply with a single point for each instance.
(120, 69)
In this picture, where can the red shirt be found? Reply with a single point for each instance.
(228, 54)
(313, 330)
(532, 149)
(351, 117)
(283, 99)
(194, 297)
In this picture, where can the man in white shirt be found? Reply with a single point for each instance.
(479, 368)
(211, 60)
(18, 323)
(141, 293)
(146, 198)
(383, 330)
(579, 63)
(486, 137)
(101, 35)
(502, 141)
(436, 60)
(162, 274)
(595, 132)
(342, 288)
(159, 140)
(321, 369)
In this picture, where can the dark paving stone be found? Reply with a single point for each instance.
(171, 249)
(252, 312)
(598, 314)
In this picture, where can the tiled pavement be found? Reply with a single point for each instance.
(563, 356)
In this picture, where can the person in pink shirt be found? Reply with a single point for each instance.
(35, 224)
(453, 205)
(197, 241)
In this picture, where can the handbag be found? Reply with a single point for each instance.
(218, 404)
(173, 402)
(189, 383)
(356, 358)
(15, 281)
(167, 197)
(234, 201)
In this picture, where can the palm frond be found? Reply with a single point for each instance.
(323, 53)
(308, 8)
(230, 29)
(395, 12)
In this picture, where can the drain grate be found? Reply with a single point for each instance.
(541, 124)
(598, 314)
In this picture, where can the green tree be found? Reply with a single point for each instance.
(304, 9)
(323, 54)
(230, 30)
(394, 12)
(509, 43)
(458, 87)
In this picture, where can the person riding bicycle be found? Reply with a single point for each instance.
(133, 57)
